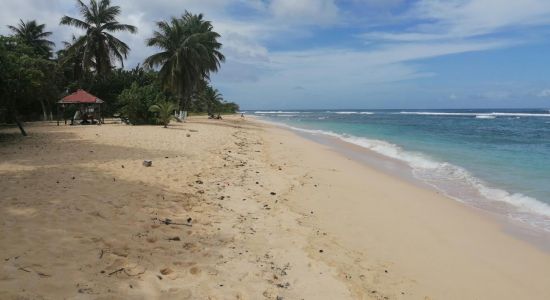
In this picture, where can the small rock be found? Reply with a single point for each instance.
(122, 166)
(188, 135)
(321, 251)
(199, 182)
(273, 193)
(147, 163)
(189, 220)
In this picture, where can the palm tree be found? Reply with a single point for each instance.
(34, 35)
(71, 58)
(190, 51)
(165, 112)
(99, 47)
(212, 98)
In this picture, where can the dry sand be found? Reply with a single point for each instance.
(259, 213)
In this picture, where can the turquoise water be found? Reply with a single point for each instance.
(494, 159)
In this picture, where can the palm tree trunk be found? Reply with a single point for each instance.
(44, 113)
(23, 132)
(181, 98)
(13, 114)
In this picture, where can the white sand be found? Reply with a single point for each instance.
(98, 236)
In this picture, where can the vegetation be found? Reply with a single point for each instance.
(211, 101)
(34, 35)
(190, 51)
(135, 102)
(27, 81)
(98, 46)
(165, 111)
(33, 77)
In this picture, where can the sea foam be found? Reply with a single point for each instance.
(351, 112)
(454, 181)
(477, 115)
(276, 112)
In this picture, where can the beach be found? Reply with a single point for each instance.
(237, 209)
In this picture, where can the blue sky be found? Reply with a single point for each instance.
(292, 54)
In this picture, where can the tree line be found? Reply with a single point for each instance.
(33, 77)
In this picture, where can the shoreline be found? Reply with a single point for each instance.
(273, 214)
(465, 225)
(397, 168)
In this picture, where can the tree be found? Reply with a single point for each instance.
(190, 51)
(165, 112)
(34, 35)
(71, 59)
(18, 76)
(135, 101)
(109, 87)
(211, 98)
(98, 46)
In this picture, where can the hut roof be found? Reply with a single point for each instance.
(80, 96)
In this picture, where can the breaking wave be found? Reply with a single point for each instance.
(492, 114)
(454, 181)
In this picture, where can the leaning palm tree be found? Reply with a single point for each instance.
(99, 47)
(190, 52)
(34, 35)
(165, 112)
(211, 98)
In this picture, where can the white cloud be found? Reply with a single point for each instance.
(495, 95)
(544, 93)
(461, 19)
(305, 11)
(255, 70)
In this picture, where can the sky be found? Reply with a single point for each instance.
(338, 54)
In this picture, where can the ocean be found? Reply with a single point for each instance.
(493, 159)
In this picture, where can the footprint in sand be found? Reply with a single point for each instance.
(195, 271)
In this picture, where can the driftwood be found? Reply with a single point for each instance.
(170, 222)
(167, 221)
(116, 271)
